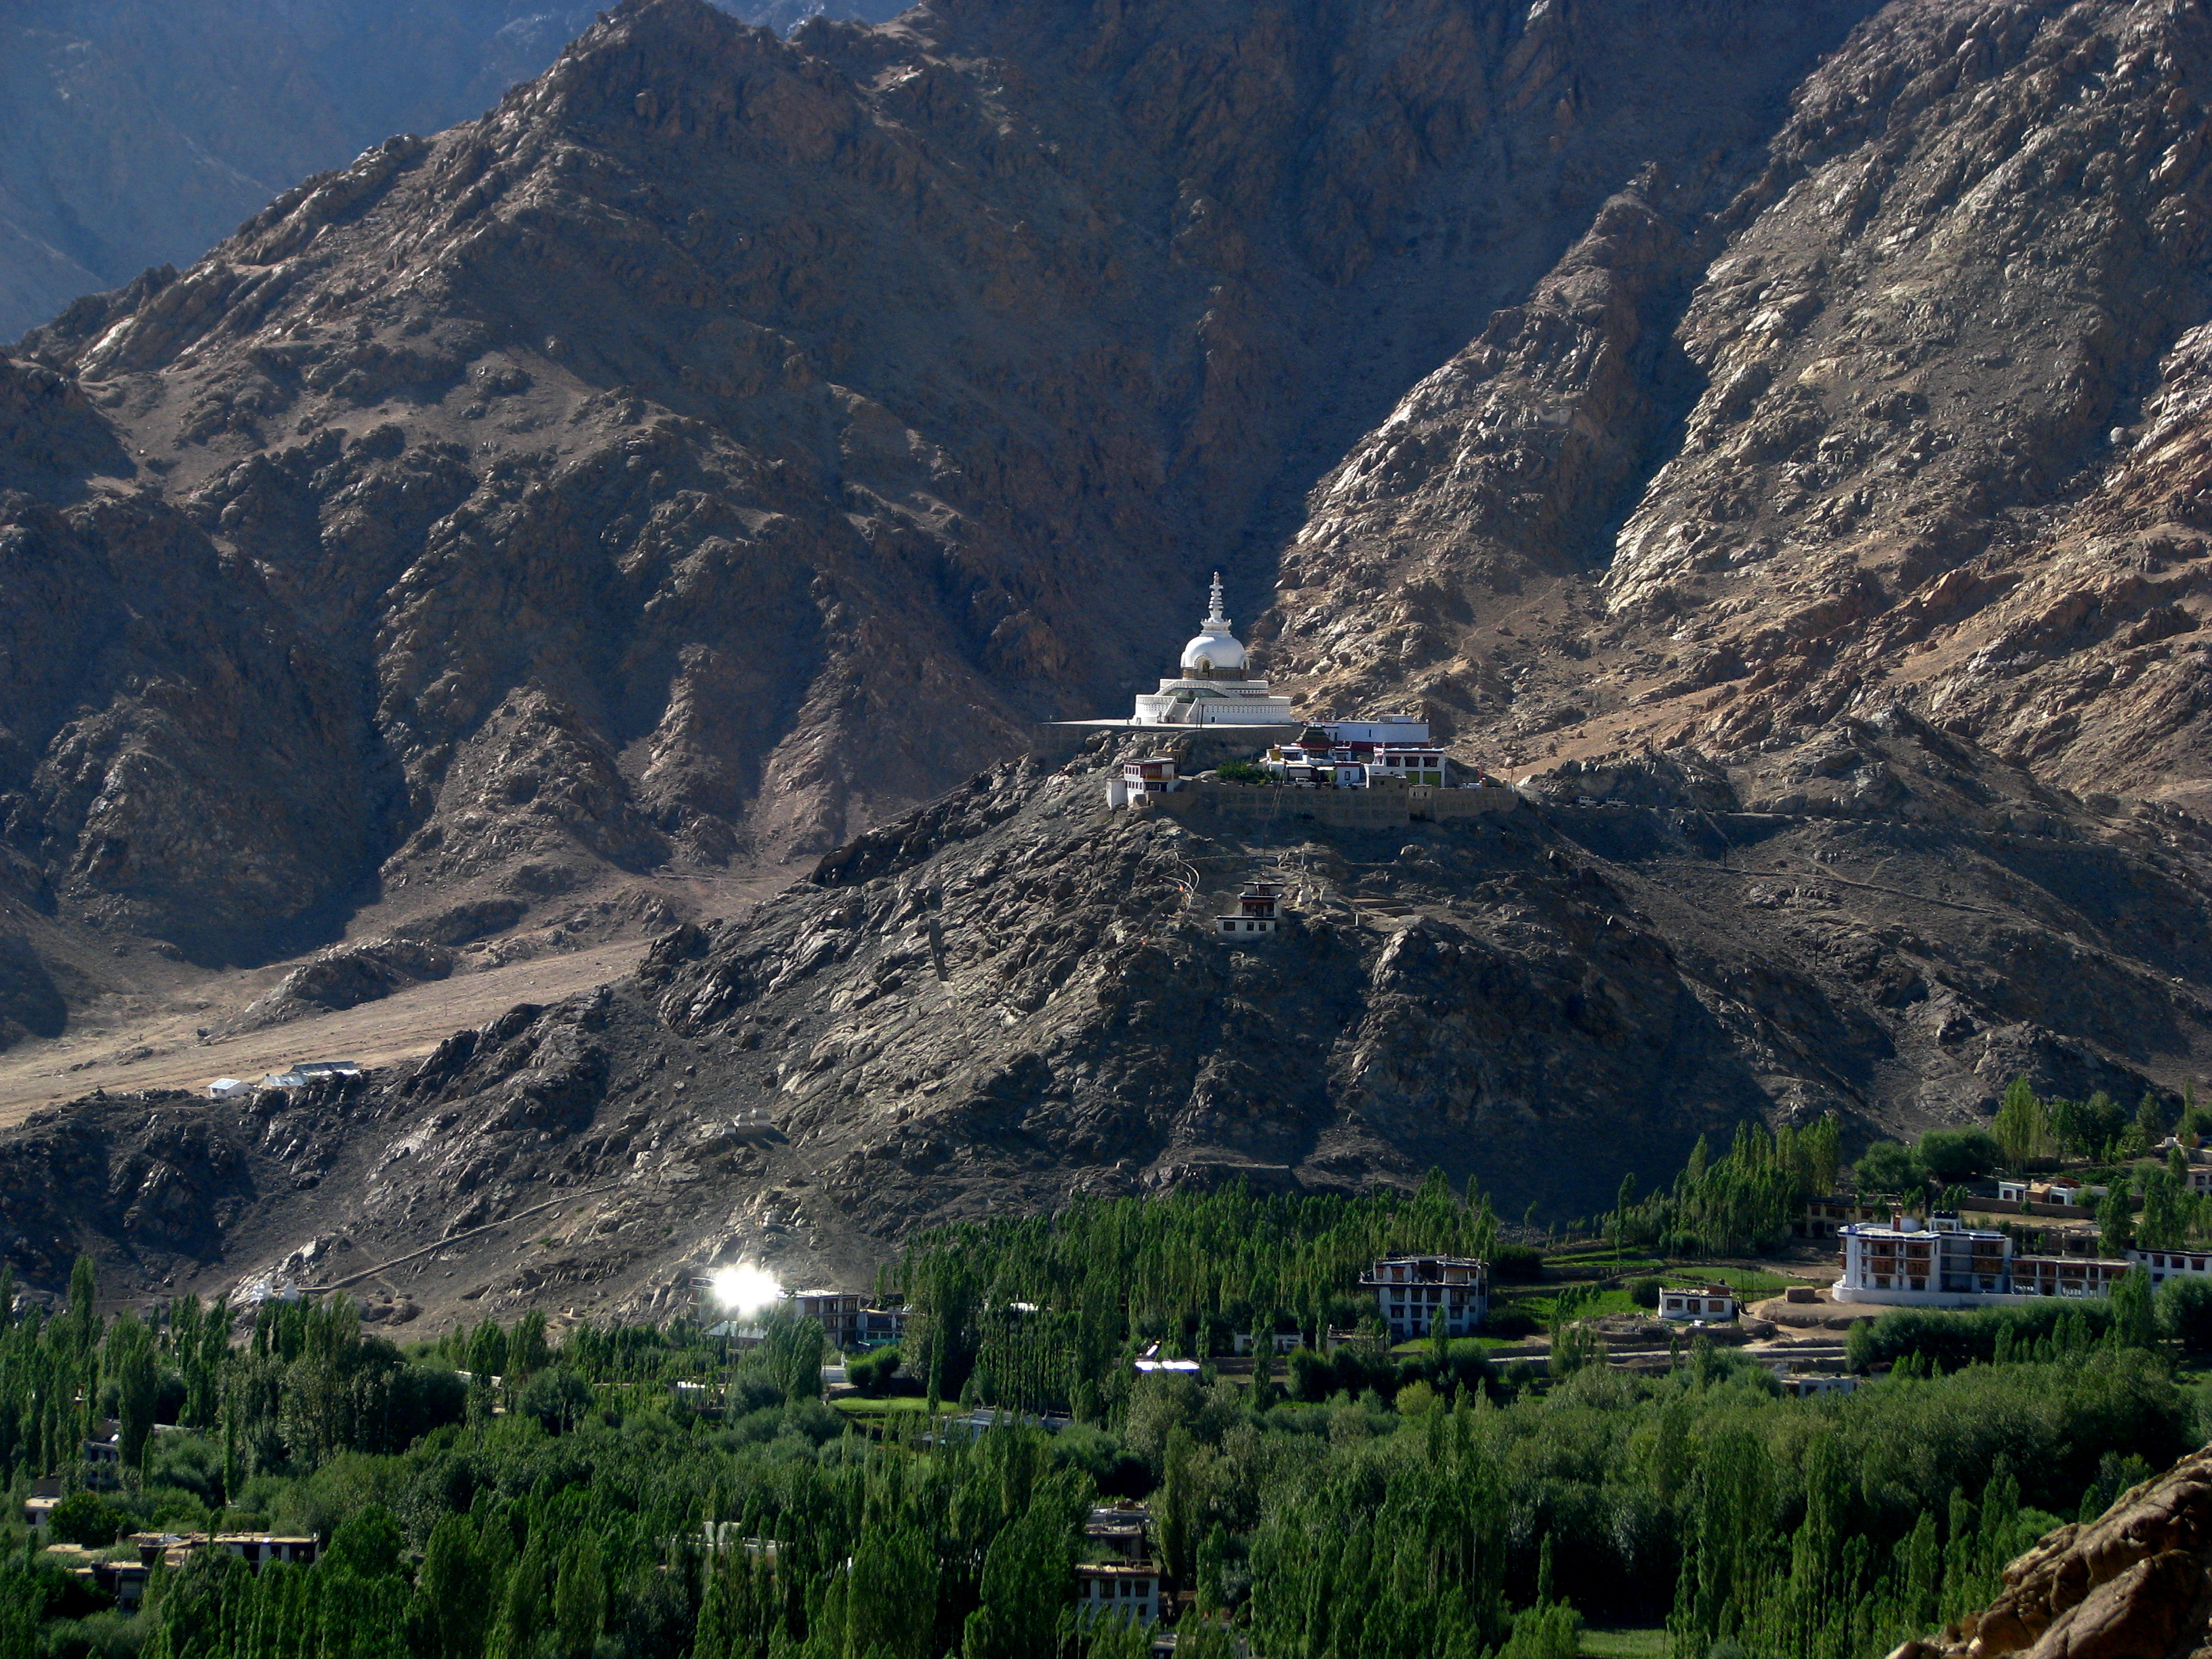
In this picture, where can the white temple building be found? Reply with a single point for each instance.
(1214, 686)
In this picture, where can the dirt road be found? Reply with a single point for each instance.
(164, 1053)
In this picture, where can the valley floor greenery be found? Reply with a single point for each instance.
(515, 1492)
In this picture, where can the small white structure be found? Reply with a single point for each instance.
(1410, 1291)
(2059, 1190)
(311, 1069)
(282, 1080)
(1255, 914)
(1150, 1362)
(224, 1087)
(1247, 1342)
(1706, 1302)
(1216, 685)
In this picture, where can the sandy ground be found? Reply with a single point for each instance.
(162, 1052)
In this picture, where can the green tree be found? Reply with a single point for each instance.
(580, 1599)
(2022, 1128)
(458, 1587)
(1958, 1156)
(129, 1362)
(2115, 1220)
(1886, 1167)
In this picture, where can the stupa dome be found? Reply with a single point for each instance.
(1214, 653)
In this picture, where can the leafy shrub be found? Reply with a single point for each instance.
(1240, 771)
(1645, 1292)
(1886, 1167)
(2184, 1312)
(558, 1399)
(1520, 1264)
(1956, 1155)
(872, 1373)
(1510, 1321)
(86, 1518)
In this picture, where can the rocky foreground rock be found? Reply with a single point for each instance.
(2134, 1584)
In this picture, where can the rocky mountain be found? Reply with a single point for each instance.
(1771, 434)
(136, 134)
(1017, 995)
(140, 132)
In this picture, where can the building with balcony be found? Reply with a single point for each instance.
(1411, 1291)
(1943, 1264)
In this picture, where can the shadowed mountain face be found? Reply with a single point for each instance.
(1784, 416)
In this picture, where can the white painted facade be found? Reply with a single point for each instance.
(1410, 1291)
(1710, 1302)
(1215, 685)
(1946, 1265)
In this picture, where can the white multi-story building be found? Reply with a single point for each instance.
(1410, 1291)
(1943, 1264)
(2162, 1265)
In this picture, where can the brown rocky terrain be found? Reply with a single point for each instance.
(1770, 433)
(2132, 1581)
(1014, 994)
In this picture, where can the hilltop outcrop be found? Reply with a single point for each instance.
(1017, 995)
(2137, 1580)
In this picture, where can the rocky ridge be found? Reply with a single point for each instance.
(730, 441)
(1016, 995)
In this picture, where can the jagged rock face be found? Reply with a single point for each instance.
(758, 434)
(2132, 1581)
(1913, 418)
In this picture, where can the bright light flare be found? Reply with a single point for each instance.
(742, 1287)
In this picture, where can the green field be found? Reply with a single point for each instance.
(1624, 1643)
(854, 1406)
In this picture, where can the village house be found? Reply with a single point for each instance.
(2162, 1265)
(1410, 1291)
(1944, 1264)
(1824, 1217)
(125, 1581)
(1361, 754)
(1119, 1578)
(1708, 1302)
(853, 1325)
(1255, 914)
(2059, 1190)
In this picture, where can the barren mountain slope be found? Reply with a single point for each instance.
(1014, 994)
(1919, 417)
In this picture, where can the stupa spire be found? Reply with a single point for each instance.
(1215, 622)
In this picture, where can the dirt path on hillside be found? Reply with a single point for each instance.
(164, 1053)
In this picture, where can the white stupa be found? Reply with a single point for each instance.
(1215, 685)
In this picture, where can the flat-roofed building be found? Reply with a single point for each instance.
(1411, 1291)
(1943, 1264)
